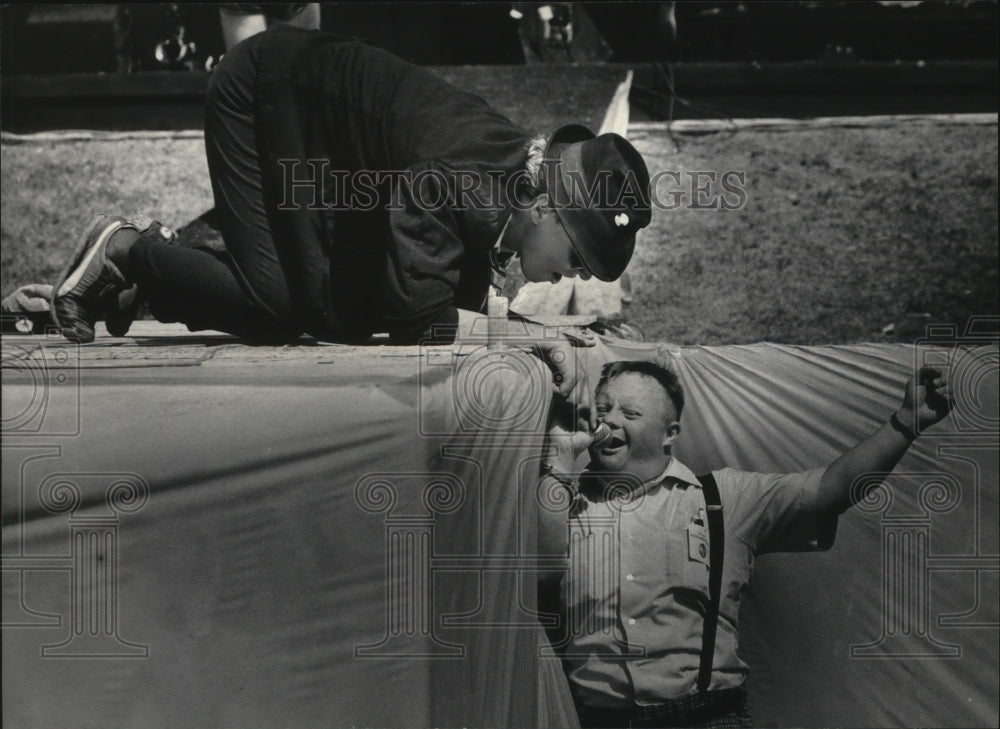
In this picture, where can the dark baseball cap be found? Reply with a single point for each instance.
(599, 188)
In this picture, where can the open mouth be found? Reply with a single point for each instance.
(612, 445)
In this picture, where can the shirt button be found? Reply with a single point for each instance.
(629, 577)
(631, 621)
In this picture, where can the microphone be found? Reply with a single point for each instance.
(601, 435)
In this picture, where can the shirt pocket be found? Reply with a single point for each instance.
(687, 561)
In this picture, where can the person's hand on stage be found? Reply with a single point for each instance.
(569, 377)
(569, 434)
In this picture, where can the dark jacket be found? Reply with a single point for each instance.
(369, 265)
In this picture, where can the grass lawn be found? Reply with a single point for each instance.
(50, 190)
(842, 233)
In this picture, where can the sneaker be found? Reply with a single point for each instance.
(89, 283)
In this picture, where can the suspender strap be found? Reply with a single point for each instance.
(716, 547)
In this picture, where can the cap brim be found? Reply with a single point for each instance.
(608, 270)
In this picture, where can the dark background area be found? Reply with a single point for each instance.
(122, 38)
(145, 66)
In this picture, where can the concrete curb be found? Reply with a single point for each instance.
(695, 126)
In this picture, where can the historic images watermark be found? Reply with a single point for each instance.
(410, 563)
(910, 627)
(474, 372)
(41, 409)
(314, 184)
(91, 564)
(481, 403)
(41, 387)
(593, 544)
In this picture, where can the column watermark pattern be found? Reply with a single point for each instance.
(92, 564)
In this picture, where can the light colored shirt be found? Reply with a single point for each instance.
(637, 586)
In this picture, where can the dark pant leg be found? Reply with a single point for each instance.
(234, 166)
(245, 292)
(198, 288)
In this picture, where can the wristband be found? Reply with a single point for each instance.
(547, 470)
(900, 427)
